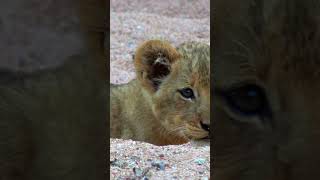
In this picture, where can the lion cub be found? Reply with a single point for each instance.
(169, 101)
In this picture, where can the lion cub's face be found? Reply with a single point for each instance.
(178, 84)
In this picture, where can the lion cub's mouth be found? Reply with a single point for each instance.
(205, 138)
(196, 133)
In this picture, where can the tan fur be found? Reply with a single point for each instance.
(273, 45)
(150, 108)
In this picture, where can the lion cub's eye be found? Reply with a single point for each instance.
(187, 93)
(248, 99)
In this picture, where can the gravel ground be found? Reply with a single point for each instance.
(131, 23)
(138, 160)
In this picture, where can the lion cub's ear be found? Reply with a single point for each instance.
(153, 61)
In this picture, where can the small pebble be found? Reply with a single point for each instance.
(200, 161)
(131, 45)
(135, 158)
(160, 165)
(131, 164)
(137, 171)
(118, 163)
(140, 28)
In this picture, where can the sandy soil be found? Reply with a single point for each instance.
(138, 160)
(131, 23)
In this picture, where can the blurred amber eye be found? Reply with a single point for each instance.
(247, 100)
(187, 93)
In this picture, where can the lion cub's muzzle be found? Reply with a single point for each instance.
(200, 131)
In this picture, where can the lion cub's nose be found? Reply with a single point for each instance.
(205, 126)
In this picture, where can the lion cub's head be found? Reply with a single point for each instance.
(176, 83)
